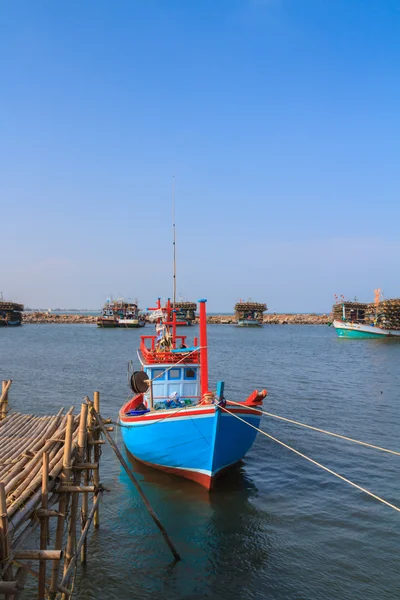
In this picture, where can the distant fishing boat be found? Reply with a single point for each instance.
(130, 316)
(120, 313)
(358, 330)
(185, 312)
(10, 314)
(107, 319)
(249, 314)
(174, 422)
(378, 319)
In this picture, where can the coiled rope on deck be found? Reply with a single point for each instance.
(314, 462)
(343, 437)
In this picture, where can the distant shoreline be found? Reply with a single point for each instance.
(223, 319)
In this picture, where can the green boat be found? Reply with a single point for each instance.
(378, 319)
(359, 330)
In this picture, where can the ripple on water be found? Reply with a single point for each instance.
(276, 526)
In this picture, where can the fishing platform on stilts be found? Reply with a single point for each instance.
(49, 475)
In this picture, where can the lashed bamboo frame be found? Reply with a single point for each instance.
(42, 462)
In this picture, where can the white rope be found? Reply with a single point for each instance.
(314, 462)
(343, 437)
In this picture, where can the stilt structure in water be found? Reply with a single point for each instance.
(185, 312)
(10, 313)
(249, 313)
(49, 475)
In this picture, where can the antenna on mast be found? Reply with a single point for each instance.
(174, 238)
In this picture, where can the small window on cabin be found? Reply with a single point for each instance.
(190, 374)
(174, 374)
(159, 373)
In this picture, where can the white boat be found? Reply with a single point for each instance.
(131, 320)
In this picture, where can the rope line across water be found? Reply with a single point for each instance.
(343, 437)
(314, 462)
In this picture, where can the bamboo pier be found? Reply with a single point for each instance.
(49, 475)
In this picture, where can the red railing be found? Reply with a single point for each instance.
(152, 355)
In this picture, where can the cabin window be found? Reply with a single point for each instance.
(190, 374)
(174, 374)
(159, 373)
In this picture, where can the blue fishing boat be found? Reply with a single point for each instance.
(174, 422)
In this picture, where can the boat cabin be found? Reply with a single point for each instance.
(173, 386)
(174, 371)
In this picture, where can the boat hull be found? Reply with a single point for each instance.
(249, 323)
(104, 324)
(196, 443)
(133, 324)
(358, 330)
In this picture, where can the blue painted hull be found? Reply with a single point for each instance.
(197, 443)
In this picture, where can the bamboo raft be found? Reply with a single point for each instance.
(49, 474)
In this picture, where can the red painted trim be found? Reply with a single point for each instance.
(256, 398)
(201, 478)
(204, 480)
(174, 329)
(152, 357)
(156, 416)
(242, 411)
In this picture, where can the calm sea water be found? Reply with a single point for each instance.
(276, 526)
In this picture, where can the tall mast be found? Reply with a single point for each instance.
(173, 243)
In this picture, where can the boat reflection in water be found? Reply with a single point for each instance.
(210, 529)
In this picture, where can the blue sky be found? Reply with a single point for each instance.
(279, 120)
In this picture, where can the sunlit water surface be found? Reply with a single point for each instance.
(276, 526)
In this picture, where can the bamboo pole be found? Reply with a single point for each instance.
(86, 481)
(25, 511)
(71, 542)
(8, 587)
(38, 554)
(5, 546)
(136, 483)
(26, 448)
(34, 476)
(29, 529)
(78, 489)
(27, 464)
(87, 466)
(21, 576)
(81, 541)
(44, 526)
(96, 457)
(4, 398)
(30, 571)
(64, 498)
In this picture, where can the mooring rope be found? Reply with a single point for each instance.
(314, 462)
(343, 437)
